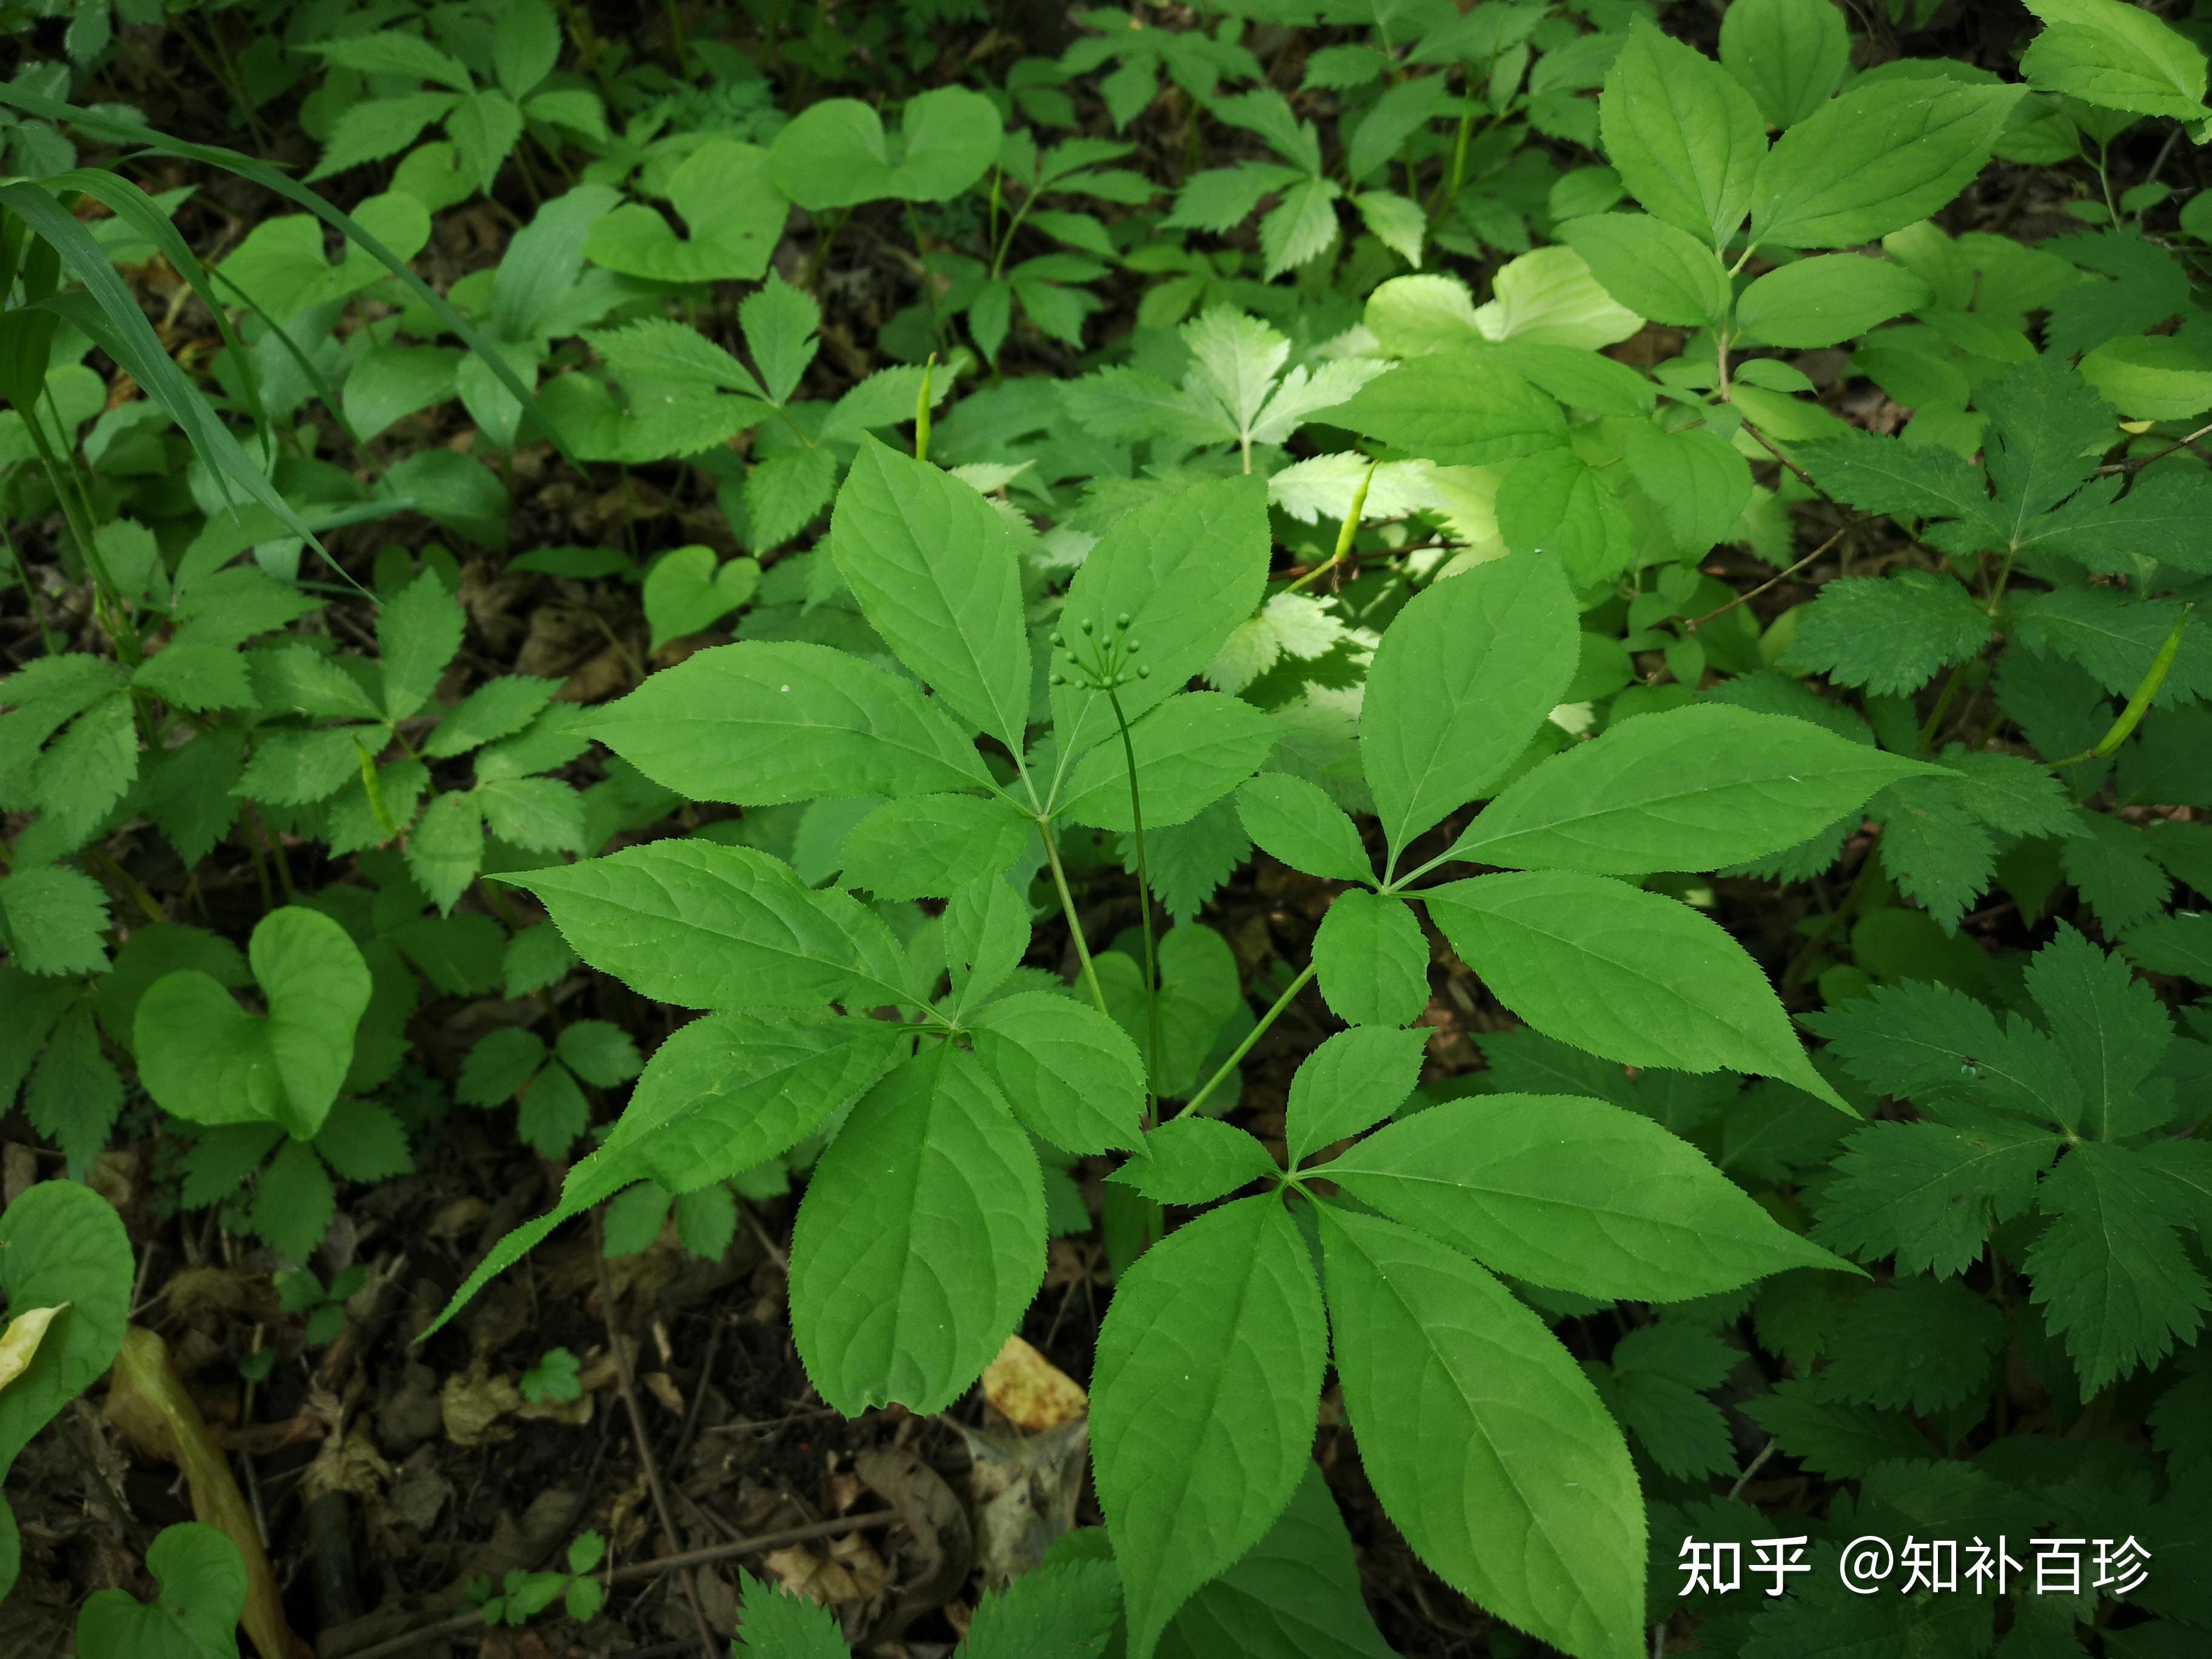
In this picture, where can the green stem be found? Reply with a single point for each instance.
(1343, 536)
(1074, 922)
(1145, 912)
(51, 640)
(2132, 716)
(1228, 1065)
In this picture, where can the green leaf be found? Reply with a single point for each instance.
(1838, 1441)
(1195, 1160)
(1924, 1344)
(539, 814)
(1352, 1081)
(1297, 822)
(1572, 1192)
(987, 930)
(388, 52)
(203, 1592)
(1072, 1075)
(447, 848)
(485, 127)
(1058, 1611)
(205, 1059)
(1203, 1401)
(2116, 637)
(1555, 502)
(1701, 483)
(760, 723)
(1463, 677)
(1294, 1594)
(685, 593)
(2110, 1027)
(1631, 976)
(1692, 788)
(1889, 634)
(834, 154)
(2115, 56)
(1456, 407)
(1685, 136)
(1373, 959)
(364, 1142)
(932, 846)
(933, 567)
(773, 1623)
(418, 633)
(1835, 296)
(56, 918)
(1186, 568)
(1928, 1192)
(1788, 54)
(1878, 158)
(525, 45)
(499, 708)
(705, 925)
(1655, 270)
(61, 1244)
(1190, 751)
(1485, 1443)
(732, 208)
(920, 1241)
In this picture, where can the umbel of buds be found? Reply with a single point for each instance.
(1100, 664)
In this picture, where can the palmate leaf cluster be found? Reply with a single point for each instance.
(1345, 520)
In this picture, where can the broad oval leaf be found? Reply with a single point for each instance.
(1191, 751)
(1462, 679)
(920, 1241)
(1485, 1441)
(934, 569)
(61, 1244)
(934, 846)
(760, 723)
(1295, 821)
(1373, 958)
(1203, 1401)
(705, 925)
(1631, 975)
(1692, 788)
(1070, 1074)
(1572, 1192)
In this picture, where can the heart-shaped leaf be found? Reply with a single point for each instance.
(684, 593)
(734, 212)
(204, 1058)
(62, 1247)
(204, 1585)
(836, 153)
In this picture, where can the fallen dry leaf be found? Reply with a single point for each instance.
(19, 1341)
(1029, 1391)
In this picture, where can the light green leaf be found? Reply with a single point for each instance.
(760, 722)
(62, 1245)
(1463, 677)
(1485, 1443)
(705, 925)
(733, 211)
(1456, 407)
(526, 45)
(834, 154)
(1700, 481)
(1819, 301)
(1652, 268)
(1203, 1401)
(1374, 960)
(920, 1241)
(1685, 136)
(447, 848)
(1631, 975)
(204, 1058)
(2116, 56)
(685, 592)
(1353, 1081)
(1070, 1074)
(1875, 159)
(1692, 788)
(933, 567)
(1556, 503)
(1788, 54)
(1191, 751)
(1186, 568)
(1575, 1193)
(1296, 822)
